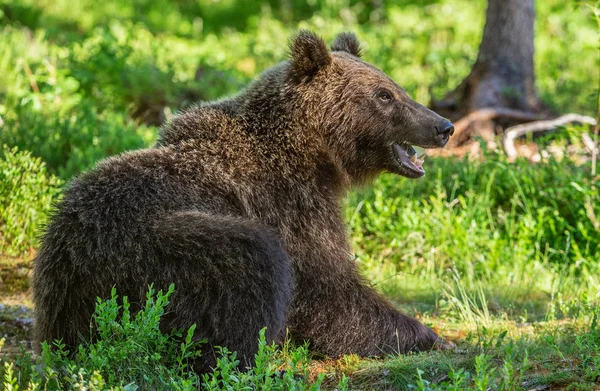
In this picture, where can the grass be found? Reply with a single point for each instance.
(500, 257)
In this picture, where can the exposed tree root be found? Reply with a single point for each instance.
(466, 127)
(487, 123)
(589, 143)
(520, 130)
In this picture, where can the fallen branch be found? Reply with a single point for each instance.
(517, 131)
(463, 124)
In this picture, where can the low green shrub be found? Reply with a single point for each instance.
(27, 192)
(130, 349)
(74, 142)
(129, 352)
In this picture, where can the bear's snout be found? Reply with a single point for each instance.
(444, 131)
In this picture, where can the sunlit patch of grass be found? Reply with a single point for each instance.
(508, 355)
(484, 255)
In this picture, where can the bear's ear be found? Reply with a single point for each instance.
(346, 42)
(309, 54)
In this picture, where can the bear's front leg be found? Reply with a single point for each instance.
(340, 314)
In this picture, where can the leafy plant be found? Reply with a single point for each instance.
(26, 196)
(129, 352)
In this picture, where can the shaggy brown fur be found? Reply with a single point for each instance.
(238, 204)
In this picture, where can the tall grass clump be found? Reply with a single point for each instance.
(487, 221)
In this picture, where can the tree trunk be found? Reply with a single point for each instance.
(503, 75)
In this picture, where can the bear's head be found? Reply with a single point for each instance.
(367, 121)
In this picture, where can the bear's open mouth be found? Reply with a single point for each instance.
(410, 163)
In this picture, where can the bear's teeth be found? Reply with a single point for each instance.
(419, 151)
(414, 159)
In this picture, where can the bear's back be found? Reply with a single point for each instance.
(118, 202)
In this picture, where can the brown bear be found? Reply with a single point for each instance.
(238, 204)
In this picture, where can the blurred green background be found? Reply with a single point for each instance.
(117, 65)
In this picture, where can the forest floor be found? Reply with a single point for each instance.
(511, 342)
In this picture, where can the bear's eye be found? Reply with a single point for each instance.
(385, 96)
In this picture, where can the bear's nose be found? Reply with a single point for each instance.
(447, 129)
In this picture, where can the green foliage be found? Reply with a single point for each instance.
(486, 219)
(131, 62)
(273, 370)
(126, 347)
(503, 363)
(26, 196)
(588, 348)
(485, 377)
(129, 352)
(69, 144)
